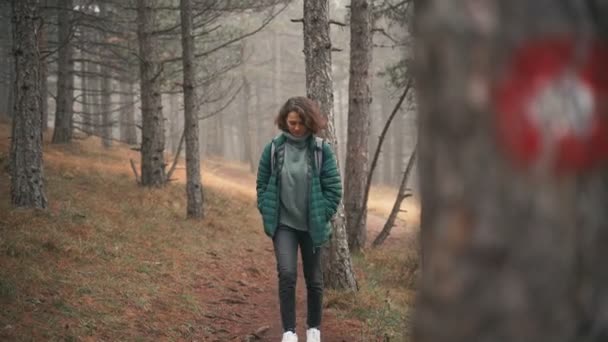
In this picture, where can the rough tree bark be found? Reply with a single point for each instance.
(153, 122)
(44, 71)
(359, 101)
(62, 132)
(194, 189)
(510, 253)
(337, 267)
(6, 62)
(26, 167)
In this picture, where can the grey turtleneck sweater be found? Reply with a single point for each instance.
(294, 183)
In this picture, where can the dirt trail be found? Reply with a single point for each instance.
(262, 310)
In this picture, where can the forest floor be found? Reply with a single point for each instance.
(112, 261)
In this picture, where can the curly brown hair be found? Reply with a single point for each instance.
(308, 110)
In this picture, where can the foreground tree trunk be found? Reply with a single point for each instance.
(27, 173)
(153, 122)
(194, 189)
(511, 252)
(337, 267)
(65, 79)
(359, 94)
(6, 61)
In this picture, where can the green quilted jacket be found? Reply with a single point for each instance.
(325, 190)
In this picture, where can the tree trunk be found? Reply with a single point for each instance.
(5, 61)
(11, 94)
(337, 267)
(277, 71)
(194, 188)
(384, 158)
(401, 195)
(153, 122)
(259, 129)
(106, 107)
(175, 131)
(86, 97)
(128, 99)
(65, 80)
(123, 112)
(510, 252)
(247, 124)
(26, 168)
(8, 97)
(340, 120)
(400, 133)
(359, 100)
(106, 89)
(379, 108)
(44, 71)
(8, 64)
(95, 96)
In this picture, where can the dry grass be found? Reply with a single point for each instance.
(387, 287)
(112, 261)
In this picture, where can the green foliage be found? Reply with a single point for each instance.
(397, 74)
(398, 17)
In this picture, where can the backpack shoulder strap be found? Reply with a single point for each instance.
(319, 153)
(272, 148)
(273, 152)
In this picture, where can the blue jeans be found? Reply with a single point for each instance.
(286, 241)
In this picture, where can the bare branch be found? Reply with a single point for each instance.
(223, 107)
(177, 153)
(383, 32)
(401, 195)
(379, 146)
(231, 41)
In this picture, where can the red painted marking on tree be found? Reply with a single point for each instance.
(552, 105)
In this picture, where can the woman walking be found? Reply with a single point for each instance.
(298, 192)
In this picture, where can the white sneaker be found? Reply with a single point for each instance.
(289, 337)
(313, 335)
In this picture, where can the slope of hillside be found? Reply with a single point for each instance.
(110, 260)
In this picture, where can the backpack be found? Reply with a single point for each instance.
(318, 153)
